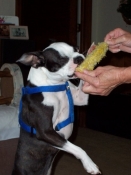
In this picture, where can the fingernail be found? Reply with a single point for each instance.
(108, 41)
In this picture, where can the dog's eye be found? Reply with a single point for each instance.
(55, 67)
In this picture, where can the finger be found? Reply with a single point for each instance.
(96, 91)
(90, 79)
(114, 34)
(115, 46)
(81, 76)
(126, 49)
(95, 72)
(86, 84)
(115, 50)
(91, 73)
(109, 36)
(117, 40)
(89, 89)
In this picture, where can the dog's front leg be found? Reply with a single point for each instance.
(79, 153)
(60, 143)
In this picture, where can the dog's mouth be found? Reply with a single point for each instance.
(70, 76)
(73, 74)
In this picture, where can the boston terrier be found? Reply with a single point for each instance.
(46, 110)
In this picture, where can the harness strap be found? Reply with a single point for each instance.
(54, 88)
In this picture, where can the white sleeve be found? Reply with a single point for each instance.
(79, 97)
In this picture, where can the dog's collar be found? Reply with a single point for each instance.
(54, 88)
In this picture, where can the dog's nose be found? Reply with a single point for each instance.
(78, 60)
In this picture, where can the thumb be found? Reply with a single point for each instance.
(87, 78)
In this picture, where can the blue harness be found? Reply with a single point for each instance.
(55, 88)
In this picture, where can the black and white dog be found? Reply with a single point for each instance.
(46, 110)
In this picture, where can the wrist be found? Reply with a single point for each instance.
(125, 75)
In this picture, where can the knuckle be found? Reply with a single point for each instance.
(96, 83)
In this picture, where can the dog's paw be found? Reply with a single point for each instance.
(93, 169)
(90, 166)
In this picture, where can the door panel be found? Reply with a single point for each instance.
(49, 20)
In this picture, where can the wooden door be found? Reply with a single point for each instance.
(49, 20)
(56, 20)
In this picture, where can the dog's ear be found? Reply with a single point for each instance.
(31, 59)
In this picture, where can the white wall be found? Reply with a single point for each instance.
(7, 7)
(106, 18)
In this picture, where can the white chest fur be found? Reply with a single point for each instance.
(59, 101)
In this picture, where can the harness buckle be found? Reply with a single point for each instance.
(67, 87)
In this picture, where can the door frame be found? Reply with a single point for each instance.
(86, 24)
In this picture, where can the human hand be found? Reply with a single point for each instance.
(101, 81)
(118, 40)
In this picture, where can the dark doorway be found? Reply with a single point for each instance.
(55, 20)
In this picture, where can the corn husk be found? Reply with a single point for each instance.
(94, 57)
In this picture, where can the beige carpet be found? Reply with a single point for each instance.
(112, 154)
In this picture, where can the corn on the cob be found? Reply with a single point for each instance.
(94, 57)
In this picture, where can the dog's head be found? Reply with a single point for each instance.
(59, 60)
